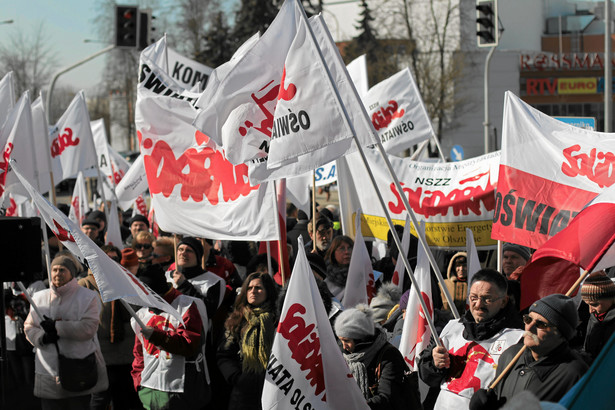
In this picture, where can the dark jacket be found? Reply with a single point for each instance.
(598, 333)
(387, 392)
(549, 378)
(247, 388)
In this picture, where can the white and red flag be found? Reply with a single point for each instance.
(586, 243)
(112, 165)
(472, 260)
(416, 332)
(397, 112)
(549, 171)
(16, 143)
(306, 368)
(113, 280)
(79, 205)
(71, 141)
(133, 184)
(360, 284)
(400, 267)
(113, 235)
(194, 189)
(285, 116)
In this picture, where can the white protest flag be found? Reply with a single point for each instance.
(79, 203)
(133, 184)
(239, 110)
(114, 234)
(40, 131)
(416, 332)
(16, 138)
(360, 284)
(472, 259)
(298, 191)
(72, 144)
(357, 69)
(398, 113)
(111, 164)
(7, 96)
(400, 268)
(195, 190)
(306, 368)
(113, 280)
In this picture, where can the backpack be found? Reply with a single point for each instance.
(411, 397)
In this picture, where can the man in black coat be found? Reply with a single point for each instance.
(548, 367)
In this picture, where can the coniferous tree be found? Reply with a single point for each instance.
(252, 16)
(219, 44)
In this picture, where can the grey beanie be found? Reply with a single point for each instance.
(65, 261)
(355, 323)
(559, 310)
(523, 251)
(387, 298)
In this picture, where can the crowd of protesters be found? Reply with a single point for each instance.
(229, 301)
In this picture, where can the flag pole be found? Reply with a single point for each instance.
(269, 267)
(364, 159)
(52, 189)
(30, 301)
(422, 240)
(376, 139)
(281, 263)
(132, 313)
(518, 355)
(314, 211)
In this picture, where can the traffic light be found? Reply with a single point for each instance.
(126, 25)
(144, 29)
(487, 32)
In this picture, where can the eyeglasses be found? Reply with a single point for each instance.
(527, 319)
(487, 300)
(143, 246)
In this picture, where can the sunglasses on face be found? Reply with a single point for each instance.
(142, 246)
(527, 319)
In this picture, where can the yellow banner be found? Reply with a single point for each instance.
(580, 85)
(440, 234)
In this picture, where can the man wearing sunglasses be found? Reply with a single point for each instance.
(548, 367)
(473, 344)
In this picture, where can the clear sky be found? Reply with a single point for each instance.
(66, 23)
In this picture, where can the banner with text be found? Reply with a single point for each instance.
(448, 197)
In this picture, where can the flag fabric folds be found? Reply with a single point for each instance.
(306, 368)
(113, 280)
(400, 268)
(416, 332)
(71, 141)
(195, 190)
(548, 172)
(360, 284)
(587, 243)
(133, 184)
(79, 203)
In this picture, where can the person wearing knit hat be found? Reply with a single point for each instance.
(136, 224)
(90, 227)
(548, 367)
(195, 244)
(376, 365)
(513, 257)
(598, 291)
(63, 269)
(130, 260)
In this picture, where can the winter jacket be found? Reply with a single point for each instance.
(204, 285)
(388, 392)
(161, 362)
(474, 350)
(76, 311)
(549, 378)
(598, 333)
(458, 289)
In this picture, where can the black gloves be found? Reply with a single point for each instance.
(51, 333)
(486, 400)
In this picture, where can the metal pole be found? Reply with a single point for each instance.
(608, 68)
(486, 123)
(64, 70)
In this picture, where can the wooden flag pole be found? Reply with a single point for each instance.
(518, 355)
(314, 212)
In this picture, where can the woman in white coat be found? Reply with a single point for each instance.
(70, 320)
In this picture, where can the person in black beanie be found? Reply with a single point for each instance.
(548, 367)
